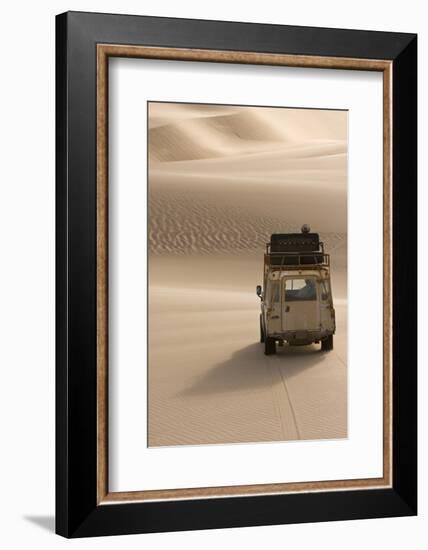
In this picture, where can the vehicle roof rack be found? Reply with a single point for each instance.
(295, 250)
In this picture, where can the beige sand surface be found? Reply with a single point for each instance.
(222, 179)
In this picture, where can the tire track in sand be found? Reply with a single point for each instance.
(284, 407)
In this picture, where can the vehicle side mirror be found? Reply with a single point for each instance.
(259, 291)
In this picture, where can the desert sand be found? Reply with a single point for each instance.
(221, 180)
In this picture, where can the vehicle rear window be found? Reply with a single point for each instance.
(300, 290)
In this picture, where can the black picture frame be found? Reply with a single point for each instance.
(77, 511)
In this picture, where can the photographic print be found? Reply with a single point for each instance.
(247, 263)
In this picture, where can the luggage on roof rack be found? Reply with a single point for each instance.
(294, 242)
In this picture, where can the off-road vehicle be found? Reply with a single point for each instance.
(296, 298)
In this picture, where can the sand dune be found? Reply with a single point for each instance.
(212, 173)
(192, 132)
(297, 124)
(161, 114)
(207, 137)
(221, 180)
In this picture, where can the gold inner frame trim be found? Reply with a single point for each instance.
(104, 51)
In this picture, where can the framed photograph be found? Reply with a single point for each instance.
(236, 274)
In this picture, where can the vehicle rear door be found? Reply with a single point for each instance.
(300, 309)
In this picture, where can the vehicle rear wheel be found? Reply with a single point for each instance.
(327, 344)
(262, 332)
(270, 346)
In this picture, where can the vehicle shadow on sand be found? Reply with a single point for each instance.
(249, 368)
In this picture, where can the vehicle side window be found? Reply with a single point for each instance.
(300, 290)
